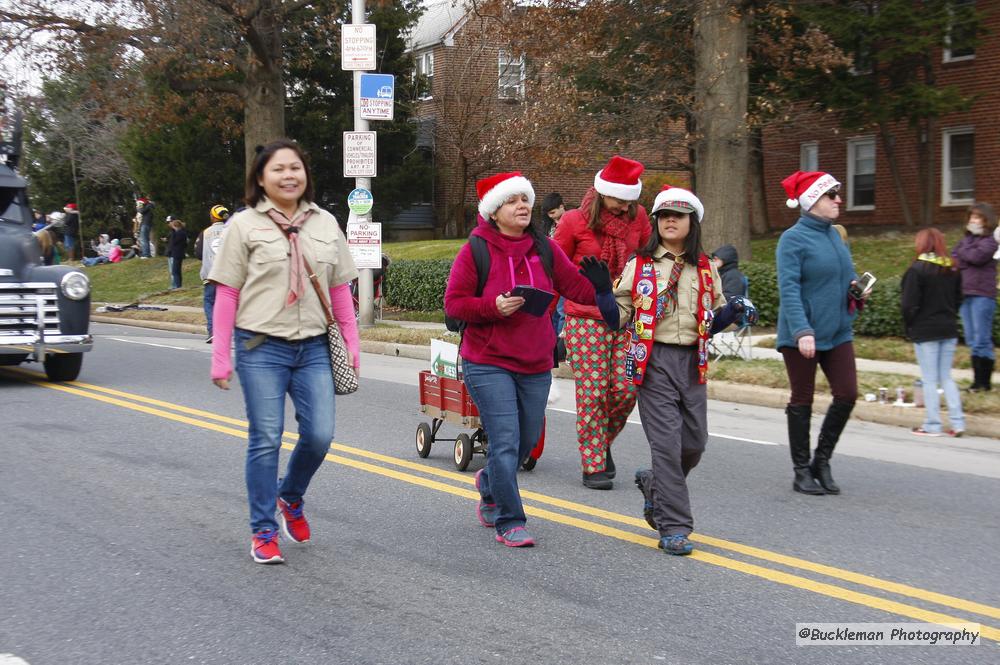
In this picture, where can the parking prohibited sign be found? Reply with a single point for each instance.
(377, 96)
(359, 155)
(364, 240)
(357, 47)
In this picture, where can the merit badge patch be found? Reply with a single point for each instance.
(645, 287)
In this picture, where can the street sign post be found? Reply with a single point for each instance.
(360, 156)
(364, 240)
(378, 93)
(357, 47)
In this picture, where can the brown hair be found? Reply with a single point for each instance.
(594, 213)
(930, 240)
(984, 210)
(254, 190)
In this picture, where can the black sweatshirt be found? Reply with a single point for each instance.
(931, 295)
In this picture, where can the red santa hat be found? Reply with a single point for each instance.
(620, 179)
(70, 207)
(805, 187)
(679, 200)
(494, 191)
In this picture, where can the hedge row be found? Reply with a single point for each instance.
(420, 285)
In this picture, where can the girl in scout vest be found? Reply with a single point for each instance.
(669, 298)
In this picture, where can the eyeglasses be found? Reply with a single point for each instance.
(833, 193)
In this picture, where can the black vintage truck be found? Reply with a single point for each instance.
(44, 310)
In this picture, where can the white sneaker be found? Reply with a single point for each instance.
(553, 393)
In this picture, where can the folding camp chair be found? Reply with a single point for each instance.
(735, 342)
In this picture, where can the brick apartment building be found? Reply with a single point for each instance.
(965, 146)
(472, 82)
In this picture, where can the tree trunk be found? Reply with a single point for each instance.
(264, 110)
(721, 80)
(759, 221)
(927, 159)
(889, 144)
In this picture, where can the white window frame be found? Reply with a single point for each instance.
(504, 60)
(946, 136)
(946, 55)
(852, 147)
(424, 64)
(807, 162)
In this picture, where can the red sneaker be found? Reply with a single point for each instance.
(293, 522)
(265, 548)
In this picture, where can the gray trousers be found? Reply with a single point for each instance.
(674, 411)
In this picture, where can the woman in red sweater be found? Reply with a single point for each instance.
(507, 353)
(610, 224)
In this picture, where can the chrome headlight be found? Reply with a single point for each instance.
(75, 285)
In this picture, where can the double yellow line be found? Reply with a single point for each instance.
(541, 505)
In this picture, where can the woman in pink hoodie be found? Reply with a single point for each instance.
(507, 352)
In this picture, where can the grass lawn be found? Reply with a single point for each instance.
(423, 249)
(895, 349)
(883, 254)
(146, 281)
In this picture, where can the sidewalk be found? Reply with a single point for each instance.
(886, 414)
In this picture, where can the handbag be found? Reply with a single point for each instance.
(345, 379)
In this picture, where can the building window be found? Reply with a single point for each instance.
(961, 32)
(809, 156)
(861, 174)
(958, 176)
(510, 84)
(424, 74)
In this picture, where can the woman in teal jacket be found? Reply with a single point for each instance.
(815, 272)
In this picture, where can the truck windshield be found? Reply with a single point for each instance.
(10, 208)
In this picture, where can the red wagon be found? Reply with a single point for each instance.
(447, 400)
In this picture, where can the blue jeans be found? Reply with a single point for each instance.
(935, 359)
(512, 410)
(175, 271)
(208, 301)
(267, 372)
(144, 239)
(69, 242)
(977, 323)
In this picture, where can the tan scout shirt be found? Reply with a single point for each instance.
(679, 326)
(254, 258)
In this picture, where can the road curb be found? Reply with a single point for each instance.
(777, 398)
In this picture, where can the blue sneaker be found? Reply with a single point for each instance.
(676, 544)
(516, 536)
(644, 481)
(486, 512)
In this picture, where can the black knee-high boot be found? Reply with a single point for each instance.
(829, 434)
(987, 364)
(798, 442)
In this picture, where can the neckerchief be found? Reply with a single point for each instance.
(644, 321)
(296, 272)
(931, 257)
(615, 228)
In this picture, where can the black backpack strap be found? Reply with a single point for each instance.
(481, 257)
(545, 255)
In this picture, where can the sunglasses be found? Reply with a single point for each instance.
(833, 193)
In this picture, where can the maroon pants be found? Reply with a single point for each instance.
(838, 366)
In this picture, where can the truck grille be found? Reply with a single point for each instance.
(23, 306)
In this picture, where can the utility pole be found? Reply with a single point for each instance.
(366, 289)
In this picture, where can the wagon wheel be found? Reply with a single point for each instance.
(424, 439)
(463, 451)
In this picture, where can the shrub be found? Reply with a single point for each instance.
(882, 315)
(763, 280)
(417, 285)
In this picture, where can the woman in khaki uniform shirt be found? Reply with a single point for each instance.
(280, 328)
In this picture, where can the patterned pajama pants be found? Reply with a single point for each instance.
(604, 395)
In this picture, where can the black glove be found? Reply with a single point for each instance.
(596, 272)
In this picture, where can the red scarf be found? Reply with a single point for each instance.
(644, 298)
(615, 228)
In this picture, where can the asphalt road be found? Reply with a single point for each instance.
(127, 540)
